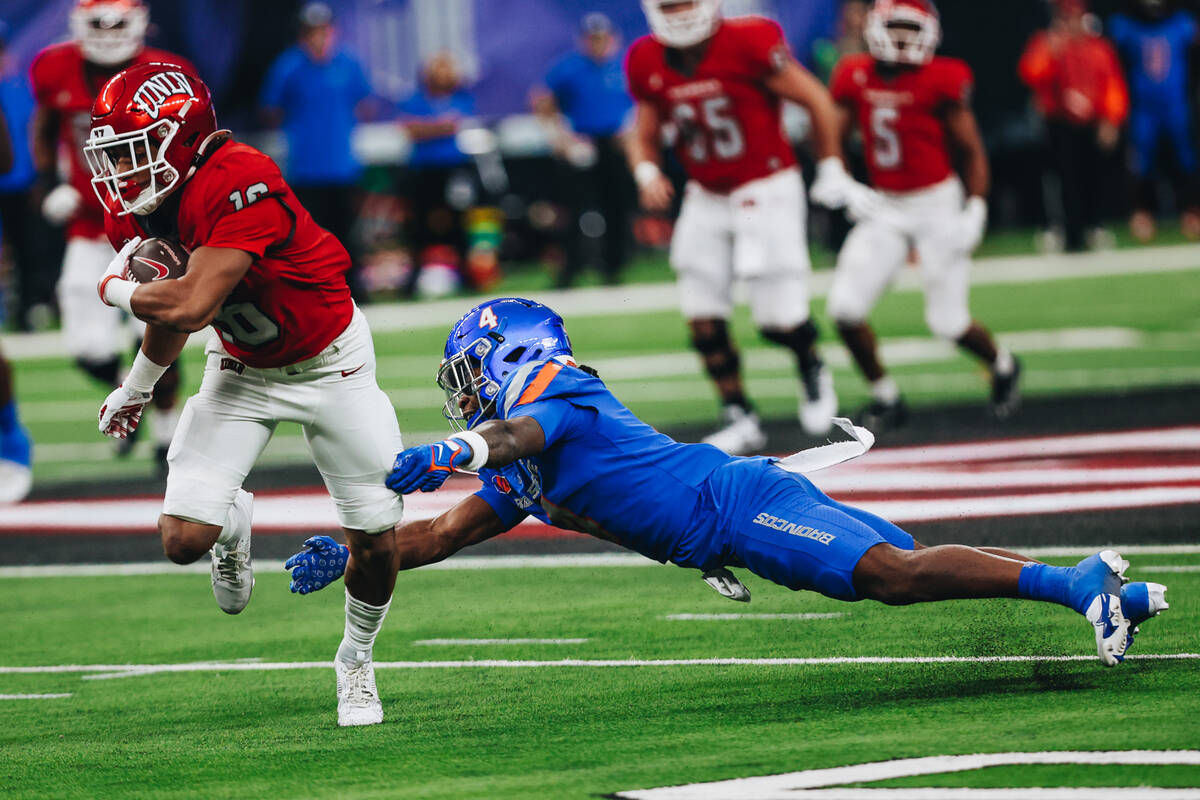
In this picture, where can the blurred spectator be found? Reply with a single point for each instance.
(315, 90)
(1078, 88)
(443, 182)
(852, 21)
(19, 215)
(588, 88)
(1156, 44)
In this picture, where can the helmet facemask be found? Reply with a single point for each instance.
(684, 27)
(900, 33)
(122, 162)
(109, 33)
(461, 376)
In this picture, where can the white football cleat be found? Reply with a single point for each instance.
(742, 434)
(1100, 576)
(232, 570)
(358, 699)
(818, 410)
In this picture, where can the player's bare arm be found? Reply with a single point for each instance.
(428, 541)
(45, 138)
(644, 151)
(962, 131)
(491, 445)
(190, 303)
(793, 82)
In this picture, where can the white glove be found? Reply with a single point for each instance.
(972, 223)
(727, 584)
(122, 411)
(834, 188)
(61, 203)
(117, 270)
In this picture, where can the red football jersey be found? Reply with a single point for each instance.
(67, 85)
(903, 127)
(294, 300)
(730, 126)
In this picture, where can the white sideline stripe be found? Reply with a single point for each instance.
(1164, 440)
(604, 301)
(310, 512)
(104, 671)
(724, 617)
(850, 480)
(1170, 568)
(809, 783)
(439, 642)
(584, 560)
(34, 696)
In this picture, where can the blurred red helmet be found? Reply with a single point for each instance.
(903, 31)
(109, 32)
(150, 123)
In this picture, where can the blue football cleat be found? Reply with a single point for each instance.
(1095, 591)
(16, 457)
(1139, 602)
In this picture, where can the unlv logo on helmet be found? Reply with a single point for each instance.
(152, 95)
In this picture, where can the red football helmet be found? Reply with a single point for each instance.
(903, 31)
(150, 124)
(109, 32)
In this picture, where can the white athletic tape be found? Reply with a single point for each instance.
(818, 458)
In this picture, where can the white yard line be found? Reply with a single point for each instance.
(730, 617)
(813, 783)
(579, 303)
(484, 642)
(583, 560)
(107, 671)
(57, 696)
(1170, 568)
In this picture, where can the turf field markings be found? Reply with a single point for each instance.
(586, 560)
(1170, 568)
(108, 671)
(473, 642)
(816, 783)
(56, 696)
(727, 617)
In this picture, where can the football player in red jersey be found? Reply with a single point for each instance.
(107, 36)
(913, 109)
(288, 345)
(718, 85)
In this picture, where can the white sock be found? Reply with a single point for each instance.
(1003, 365)
(363, 622)
(233, 525)
(885, 390)
(163, 424)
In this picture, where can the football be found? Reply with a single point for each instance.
(157, 259)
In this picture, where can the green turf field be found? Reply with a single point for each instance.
(567, 731)
(1079, 335)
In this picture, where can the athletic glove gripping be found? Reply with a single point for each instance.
(320, 563)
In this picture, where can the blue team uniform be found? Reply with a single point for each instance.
(607, 473)
(1156, 53)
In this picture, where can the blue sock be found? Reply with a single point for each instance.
(1044, 582)
(8, 417)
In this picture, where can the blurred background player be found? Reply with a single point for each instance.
(317, 90)
(587, 89)
(107, 36)
(16, 449)
(913, 109)
(292, 346)
(443, 185)
(720, 84)
(1078, 88)
(1155, 42)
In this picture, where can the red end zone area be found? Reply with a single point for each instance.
(1155, 467)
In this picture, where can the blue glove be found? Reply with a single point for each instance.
(427, 467)
(320, 563)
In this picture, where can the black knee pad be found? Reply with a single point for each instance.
(720, 358)
(103, 371)
(799, 339)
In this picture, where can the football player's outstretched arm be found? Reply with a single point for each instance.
(493, 444)
(427, 541)
(644, 153)
(190, 303)
(793, 82)
(962, 130)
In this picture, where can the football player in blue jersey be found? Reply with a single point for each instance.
(549, 439)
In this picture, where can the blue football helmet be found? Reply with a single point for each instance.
(490, 342)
